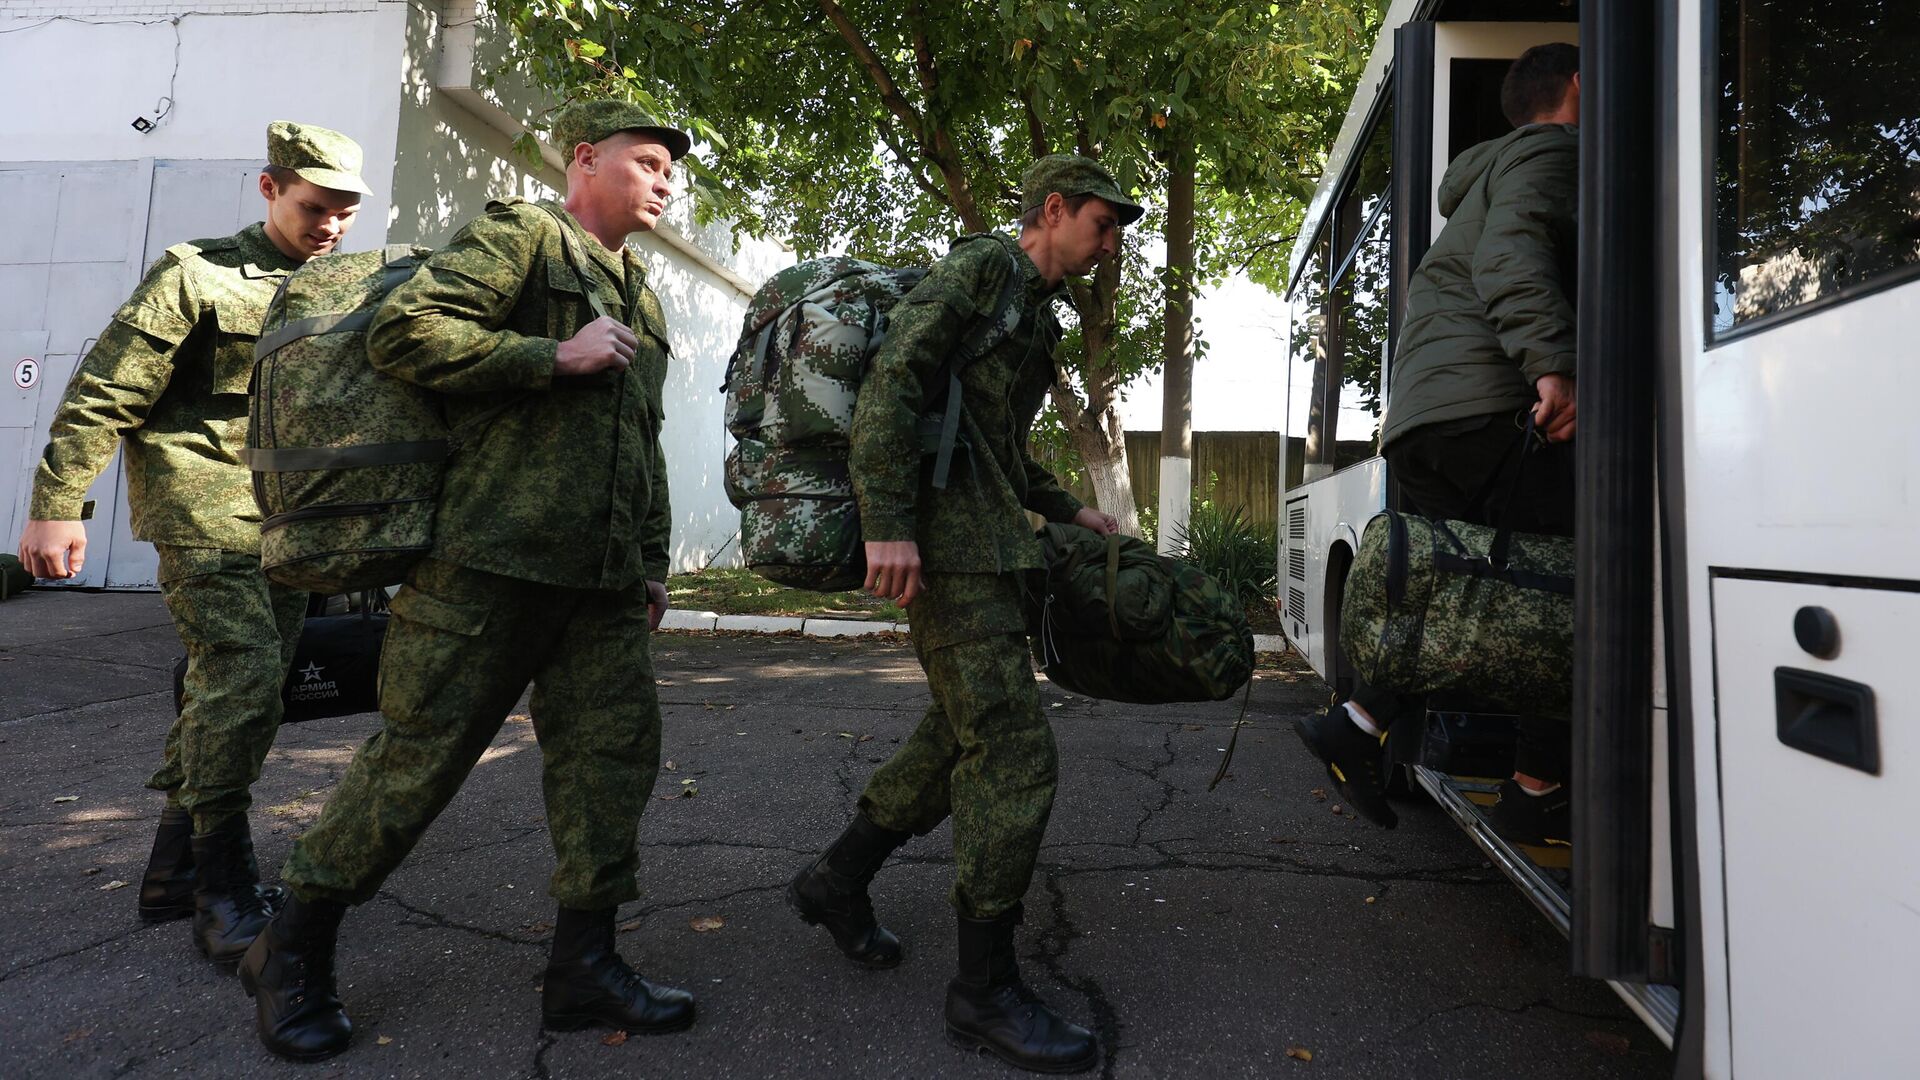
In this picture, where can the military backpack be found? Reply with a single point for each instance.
(346, 459)
(809, 338)
(1112, 619)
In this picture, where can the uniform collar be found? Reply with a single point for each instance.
(259, 250)
(1037, 286)
(623, 265)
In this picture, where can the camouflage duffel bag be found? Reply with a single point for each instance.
(1445, 605)
(1114, 620)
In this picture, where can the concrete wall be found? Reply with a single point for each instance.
(407, 79)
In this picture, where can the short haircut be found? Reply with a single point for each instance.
(1074, 202)
(281, 176)
(1537, 82)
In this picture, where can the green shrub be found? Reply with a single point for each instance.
(1241, 554)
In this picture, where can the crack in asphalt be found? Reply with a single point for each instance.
(1512, 1010)
(22, 969)
(89, 821)
(655, 909)
(58, 655)
(547, 1042)
(1051, 950)
(435, 920)
(138, 1060)
(1152, 772)
(480, 845)
(85, 705)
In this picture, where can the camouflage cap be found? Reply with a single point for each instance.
(1071, 174)
(592, 121)
(316, 155)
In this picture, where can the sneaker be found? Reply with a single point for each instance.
(1535, 820)
(1355, 760)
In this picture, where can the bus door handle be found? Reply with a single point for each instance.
(1827, 717)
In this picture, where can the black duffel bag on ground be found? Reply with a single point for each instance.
(336, 666)
(1446, 605)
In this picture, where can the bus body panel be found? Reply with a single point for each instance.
(1319, 522)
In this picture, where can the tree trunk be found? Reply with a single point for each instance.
(1101, 442)
(1176, 385)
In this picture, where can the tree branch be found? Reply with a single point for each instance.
(1036, 131)
(909, 161)
(876, 68)
(922, 50)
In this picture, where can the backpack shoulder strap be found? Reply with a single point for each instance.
(982, 336)
(576, 260)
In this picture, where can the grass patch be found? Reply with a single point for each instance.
(739, 591)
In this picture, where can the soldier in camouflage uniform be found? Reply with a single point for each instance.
(984, 753)
(168, 377)
(549, 567)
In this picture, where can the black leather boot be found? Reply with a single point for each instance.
(166, 890)
(229, 908)
(990, 1009)
(832, 892)
(587, 983)
(289, 974)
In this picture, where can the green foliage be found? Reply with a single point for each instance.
(1242, 555)
(883, 128)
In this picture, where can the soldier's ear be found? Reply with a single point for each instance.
(585, 157)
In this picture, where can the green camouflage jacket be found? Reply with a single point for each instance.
(169, 375)
(974, 525)
(560, 481)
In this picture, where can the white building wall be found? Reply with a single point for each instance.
(404, 78)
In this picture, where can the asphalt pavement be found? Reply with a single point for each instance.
(1255, 931)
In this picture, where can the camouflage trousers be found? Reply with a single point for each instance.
(984, 751)
(461, 647)
(239, 630)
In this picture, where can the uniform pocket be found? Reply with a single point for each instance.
(236, 333)
(412, 604)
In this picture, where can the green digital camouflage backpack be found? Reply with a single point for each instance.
(809, 337)
(346, 459)
(1115, 620)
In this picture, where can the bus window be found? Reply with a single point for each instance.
(1361, 308)
(1307, 357)
(1474, 114)
(1816, 180)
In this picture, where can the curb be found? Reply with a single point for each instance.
(677, 619)
(774, 624)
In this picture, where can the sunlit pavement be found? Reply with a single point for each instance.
(1222, 934)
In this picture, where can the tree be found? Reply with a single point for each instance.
(882, 126)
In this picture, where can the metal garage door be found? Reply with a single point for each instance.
(79, 237)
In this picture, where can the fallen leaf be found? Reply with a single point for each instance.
(112, 885)
(1056, 704)
(1319, 793)
(543, 927)
(1609, 1043)
(90, 871)
(67, 798)
(76, 1035)
(1336, 808)
(669, 766)
(1193, 727)
(519, 718)
(630, 925)
(383, 1040)
(1299, 1053)
(864, 738)
(844, 735)
(704, 923)
(614, 1038)
(1371, 899)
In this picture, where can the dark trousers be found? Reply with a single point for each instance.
(1463, 470)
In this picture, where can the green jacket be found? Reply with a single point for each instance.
(975, 524)
(1491, 307)
(169, 375)
(560, 481)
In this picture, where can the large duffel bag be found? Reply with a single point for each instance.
(14, 578)
(336, 666)
(1446, 605)
(1114, 620)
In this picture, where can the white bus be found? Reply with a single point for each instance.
(1746, 719)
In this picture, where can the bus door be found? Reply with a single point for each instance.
(1799, 242)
